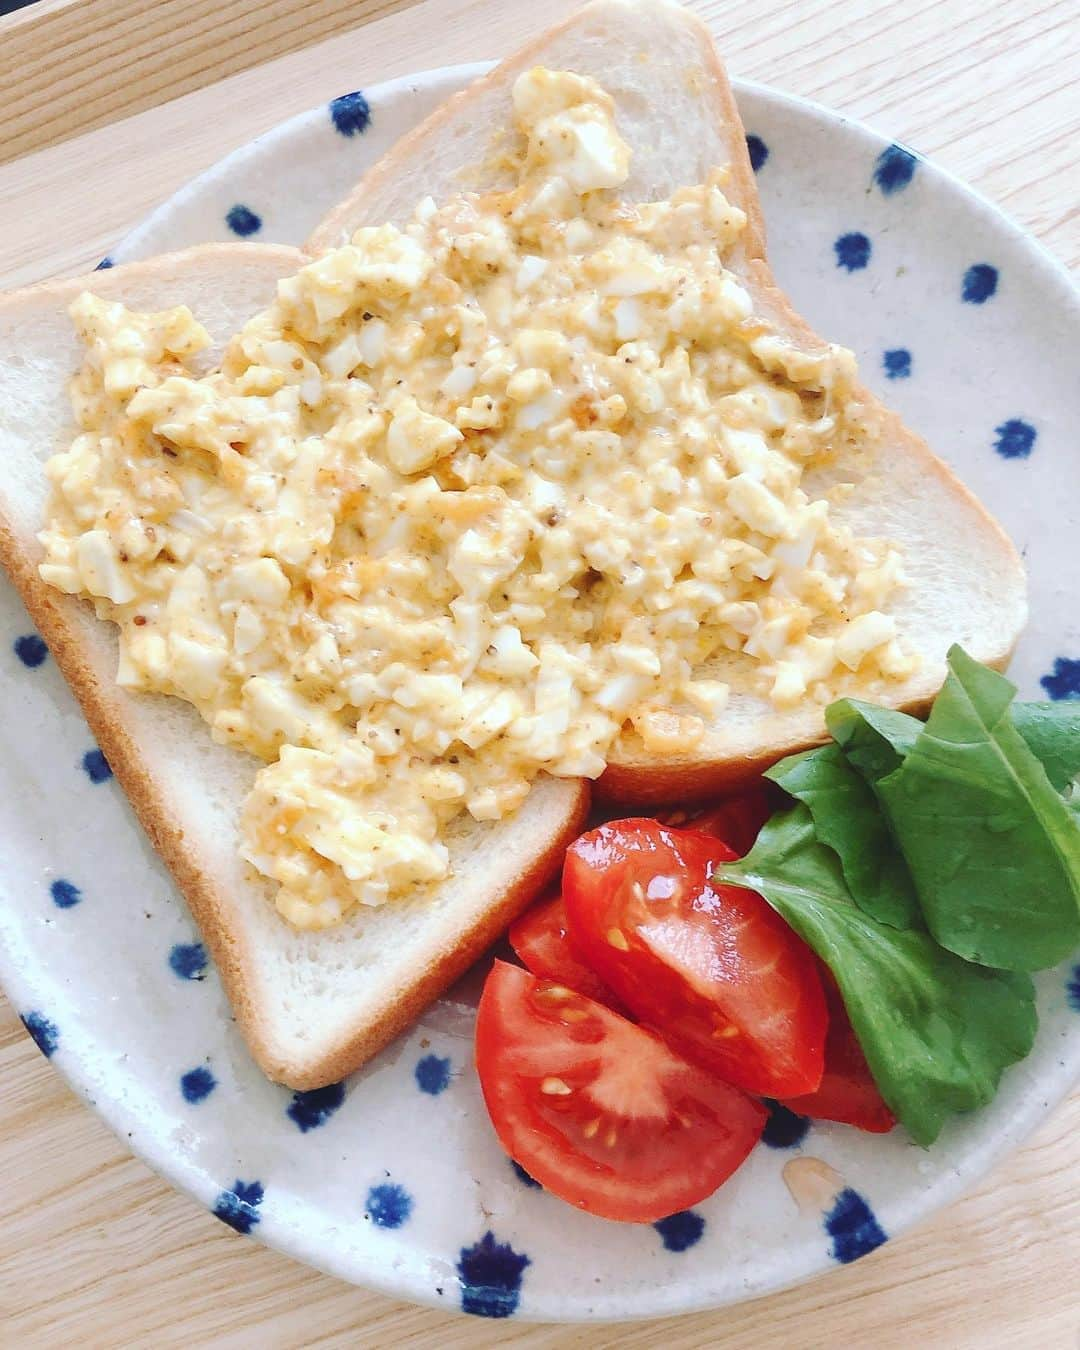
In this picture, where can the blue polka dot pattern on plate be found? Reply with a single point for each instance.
(31, 650)
(980, 283)
(852, 1226)
(197, 1084)
(681, 1230)
(44, 1034)
(96, 766)
(1065, 681)
(784, 1128)
(104, 264)
(852, 251)
(65, 894)
(758, 151)
(388, 1205)
(524, 1177)
(350, 114)
(243, 221)
(490, 1274)
(433, 1074)
(894, 169)
(896, 363)
(1015, 438)
(1072, 989)
(309, 1110)
(239, 1208)
(188, 960)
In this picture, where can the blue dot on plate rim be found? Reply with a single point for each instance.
(243, 221)
(490, 1273)
(896, 363)
(680, 1231)
(96, 766)
(308, 1110)
(758, 152)
(44, 1034)
(350, 114)
(65, 894)
(432, 1074)
(31, 650)
(1064, 681)
(979, 284)
(104, 264)
(1014, 438)
(388, 1205)
(853, 1227)
(188, 960)
(784, 1128)
(197, 1084)
(894, 168)
(239, 1207)
(1072, 989)
(852, 251)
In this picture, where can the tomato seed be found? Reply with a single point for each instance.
(725, 1033)
(591, 1128)
(555, 991)
(555, 1087)
(618, 939)
(612, 1137)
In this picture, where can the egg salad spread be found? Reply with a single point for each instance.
(470, 498)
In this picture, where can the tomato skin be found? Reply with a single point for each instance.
(847, 1092)
(735, 820)
(713, 968)
(600, 1111)
(542, 942)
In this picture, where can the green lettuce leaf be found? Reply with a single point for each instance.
(992, 847)
(937, 1031)
(1052, 733)
(849, 820)
(874, 740)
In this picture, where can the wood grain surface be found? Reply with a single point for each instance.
(65, 67)
(94, 1249)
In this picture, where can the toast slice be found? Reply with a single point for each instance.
(675, 109)
(312, 1005)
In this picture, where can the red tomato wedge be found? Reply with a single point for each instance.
(540, 939)
(735, 820)
(847, 1092)
(712, 968)
(601, 1111)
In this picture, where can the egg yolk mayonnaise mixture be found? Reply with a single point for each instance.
(466, 501)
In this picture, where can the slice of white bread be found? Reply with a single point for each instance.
(675, 109)
(312, 1006)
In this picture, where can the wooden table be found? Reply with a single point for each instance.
(94, 1249)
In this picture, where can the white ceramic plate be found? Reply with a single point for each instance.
(395, 1179)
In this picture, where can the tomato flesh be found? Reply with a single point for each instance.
(541, 940)
(847, 1092)
(735, 820)
(601, 1111)
(713, 968)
